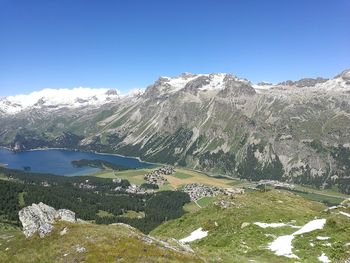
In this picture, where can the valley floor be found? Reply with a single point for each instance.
(184, 176)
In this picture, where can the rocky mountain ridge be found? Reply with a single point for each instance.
(293, 131)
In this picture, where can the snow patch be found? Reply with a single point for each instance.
(180, 82)
(311, 226)
(274, 225)
(323, 258)
(344, 214)
(322, 238)
(332, 207)
(263, 88)
(195, 235)
(216, 82)
(282, 246)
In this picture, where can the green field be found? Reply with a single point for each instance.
(102, 213)
(330, 200)
(21, 199)
(166, 187)
(191, 207)
(327, 192)
(133, 214)
(182, 175)
(134, 176)
(205, 201)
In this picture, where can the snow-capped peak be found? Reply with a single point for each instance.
(213, 81)
(340, 83)
(133, 93)
(58, 98)
(188, 82)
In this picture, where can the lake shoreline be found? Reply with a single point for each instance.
(59, 160)
(77, 150)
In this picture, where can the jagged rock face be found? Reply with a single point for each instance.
(306, 82)
(39, 218)
(295, 131)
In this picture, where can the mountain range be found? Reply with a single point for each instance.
(295, 131)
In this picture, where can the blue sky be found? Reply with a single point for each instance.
(129, 44)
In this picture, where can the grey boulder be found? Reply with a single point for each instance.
(40, 218)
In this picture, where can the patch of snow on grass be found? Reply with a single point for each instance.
(266, 225)
(344, 214)
(195, 235)
(274, 225)
(332, 207)
(311, 226)
(323, 258)
(322, 238)
(282, 246)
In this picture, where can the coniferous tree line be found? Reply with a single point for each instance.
(9, 201)
(159, 207)
(63, 192)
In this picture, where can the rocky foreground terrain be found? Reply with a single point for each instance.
(295, 131)
(269, 226)
(51, 235)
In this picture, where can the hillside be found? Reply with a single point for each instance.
(242, 228)
(293, 131)
(259, 227)
(90, 243)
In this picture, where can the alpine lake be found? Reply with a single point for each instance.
(59, 161)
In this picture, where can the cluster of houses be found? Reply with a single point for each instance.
(197, 191)
(275, 184)
(45, 184)
(136, 189)
(156, 176)
(84, 185)
(117, 180)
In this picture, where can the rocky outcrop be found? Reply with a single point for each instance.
(39, 218)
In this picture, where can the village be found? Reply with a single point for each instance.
(197, 191)
(156, 176)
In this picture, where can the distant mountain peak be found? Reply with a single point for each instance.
(56, 98)
(345, 75)
(304, 82)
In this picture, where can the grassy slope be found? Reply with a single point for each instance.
(103, 244)
(228, 242)
(205, 201)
